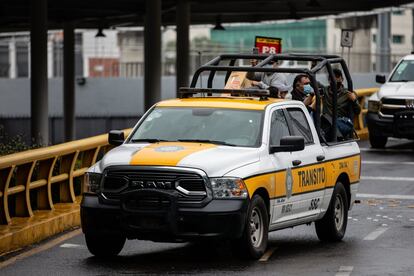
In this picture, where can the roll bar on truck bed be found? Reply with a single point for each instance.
(229, 61)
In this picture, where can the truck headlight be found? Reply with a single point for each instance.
(373, 106)
(92, 182)
(228, 188)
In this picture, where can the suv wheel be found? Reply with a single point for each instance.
(377, 141)
(332, 226)
(104, 245)
(253, 242)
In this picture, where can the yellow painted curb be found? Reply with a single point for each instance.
(22, 232)
(363, 134)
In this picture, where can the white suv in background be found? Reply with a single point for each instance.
(391, 110)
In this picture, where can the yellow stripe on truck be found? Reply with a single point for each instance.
(167, 154)
(309, 178)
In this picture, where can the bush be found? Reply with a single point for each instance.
(13, 144)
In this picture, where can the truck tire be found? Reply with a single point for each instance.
(332, 226)
(253, 242)
(377, 141)
(104, 245)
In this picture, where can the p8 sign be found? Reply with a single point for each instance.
(268, 45)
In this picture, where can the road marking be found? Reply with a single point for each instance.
(388, 178)
(266, 256)
(40, 248)
(385, 196)
(72, 245)
(344, 271)
(386, 162)
(375, 234)
(388, 150)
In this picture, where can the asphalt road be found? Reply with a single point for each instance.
(379, 238)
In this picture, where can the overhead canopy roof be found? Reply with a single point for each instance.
(15, 14)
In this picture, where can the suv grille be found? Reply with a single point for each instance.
(391, 106)
(190, 185)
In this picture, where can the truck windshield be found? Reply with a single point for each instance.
(219, 126)
(404, 71)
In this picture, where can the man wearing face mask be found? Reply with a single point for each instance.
(264, 80)
(347, 105)
(303, 91)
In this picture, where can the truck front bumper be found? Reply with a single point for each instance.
(400, 126)
(218, 219)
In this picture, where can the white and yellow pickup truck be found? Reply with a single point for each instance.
(219, 167)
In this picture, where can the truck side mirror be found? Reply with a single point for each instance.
(116, 137)
(289, 144)
(380, 79)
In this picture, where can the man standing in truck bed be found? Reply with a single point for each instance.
(347, 105)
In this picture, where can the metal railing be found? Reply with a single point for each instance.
(37, 179)
(40, 178)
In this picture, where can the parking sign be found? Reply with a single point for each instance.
(347, 38)
(268, 45)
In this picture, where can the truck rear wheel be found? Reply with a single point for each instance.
(253, 242)
(104, 245)
(377, 141)
(332, 226)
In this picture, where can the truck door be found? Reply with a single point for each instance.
(282, 205)
(308, 168)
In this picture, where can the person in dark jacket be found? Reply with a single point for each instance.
(347, 105)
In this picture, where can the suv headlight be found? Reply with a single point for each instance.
(228, 188)
(92, 182)
(374, 106)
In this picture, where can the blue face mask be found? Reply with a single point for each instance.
(307, 89)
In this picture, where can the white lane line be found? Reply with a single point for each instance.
(388, 178)
(266, 256)
(387, 150)
(385, 196)
(72, 245)
(369, 162)
(375, 234)
(344, 271)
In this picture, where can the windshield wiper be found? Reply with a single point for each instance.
(149, 140)
(207, 141)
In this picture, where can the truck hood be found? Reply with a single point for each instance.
(397, 90)
(215, 160)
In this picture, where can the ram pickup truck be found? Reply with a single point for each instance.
(391, 110)
(224, 165)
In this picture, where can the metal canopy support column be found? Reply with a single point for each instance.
(383, 42)
(69, 81)
(183, 43)
(38, 80)
(152, 53)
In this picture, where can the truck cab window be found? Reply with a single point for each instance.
(299, 124)
(279, 127)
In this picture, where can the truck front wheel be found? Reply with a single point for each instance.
(332, 226)
(377, 141)
(104, 245)
(253, 242)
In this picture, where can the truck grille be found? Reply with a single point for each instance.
(190, 185)
(390, 106)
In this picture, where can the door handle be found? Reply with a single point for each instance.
(296, 162)
(320, 157)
